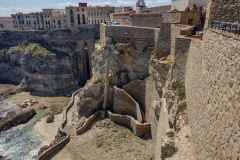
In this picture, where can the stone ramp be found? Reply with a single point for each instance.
(70, 112)
(71, 130)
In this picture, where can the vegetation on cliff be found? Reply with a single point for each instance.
(34, 49)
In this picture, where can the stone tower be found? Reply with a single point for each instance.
(140, 5)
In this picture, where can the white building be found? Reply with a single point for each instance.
(182, 4)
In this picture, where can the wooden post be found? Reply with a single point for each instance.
(106, 90)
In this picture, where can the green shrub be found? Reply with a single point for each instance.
(168, 150)
(37, 49)
(180, 88)
(170, 134)
(181, 108)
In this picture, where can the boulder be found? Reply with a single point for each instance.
(50, 119)
(90, 99)
(17, 118)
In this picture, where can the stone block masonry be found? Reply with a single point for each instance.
(212, 88)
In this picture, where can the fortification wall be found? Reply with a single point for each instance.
(124, 104)
(212, 88)
(126, 34)
(147, 20)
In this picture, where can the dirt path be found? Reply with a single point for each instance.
(108, 141)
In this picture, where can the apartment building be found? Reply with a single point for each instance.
(6, 23)
(76, 16)
(47, 19)
(99, 14)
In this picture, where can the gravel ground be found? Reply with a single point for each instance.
(107, 141)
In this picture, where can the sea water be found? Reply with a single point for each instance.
(20, 142)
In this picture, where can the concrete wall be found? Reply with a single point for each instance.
(124, 104)
(212, 88)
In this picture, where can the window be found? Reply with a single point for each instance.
(79, 22)
(83, 10)
(78, 10)
(53, 21)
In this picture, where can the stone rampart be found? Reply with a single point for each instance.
(128, 121)
(212, 91)
(46, 154)
(126, 34)
(124, 104)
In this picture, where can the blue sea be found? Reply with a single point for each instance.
(20, 142)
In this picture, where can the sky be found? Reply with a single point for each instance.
(8, 7)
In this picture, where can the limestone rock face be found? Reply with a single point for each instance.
(36, 71)
(17, 118)
(90, 99)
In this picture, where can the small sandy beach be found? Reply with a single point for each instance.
(48, 130)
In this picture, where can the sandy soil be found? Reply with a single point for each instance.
(108, 141)
(48, 130)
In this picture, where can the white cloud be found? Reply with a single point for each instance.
(7, 11)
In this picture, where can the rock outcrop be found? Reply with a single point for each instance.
(16, 118)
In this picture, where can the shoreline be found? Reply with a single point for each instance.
(48, 131)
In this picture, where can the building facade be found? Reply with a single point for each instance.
(97, 15)
(181, 5)
(76, 16)
(6, 23)
(40, 20)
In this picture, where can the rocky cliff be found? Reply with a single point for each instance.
(35, 67)
(49, 61)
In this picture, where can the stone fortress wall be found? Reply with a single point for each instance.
(212, 80)
(212, 86)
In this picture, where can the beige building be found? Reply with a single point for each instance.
(6, 23)
(47, 19)
(99, 14)
(76, 16)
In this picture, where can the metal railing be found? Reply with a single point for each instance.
(231, 27)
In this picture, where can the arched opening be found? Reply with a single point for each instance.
(86, 65)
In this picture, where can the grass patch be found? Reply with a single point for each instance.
(181, 108)
(170, 134)
(37, 49)
(168, 150)
(180, 88)
(16, 48)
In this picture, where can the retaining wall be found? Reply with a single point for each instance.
(124, 104)
(88, 122)
(63, 142)
(127, 121)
